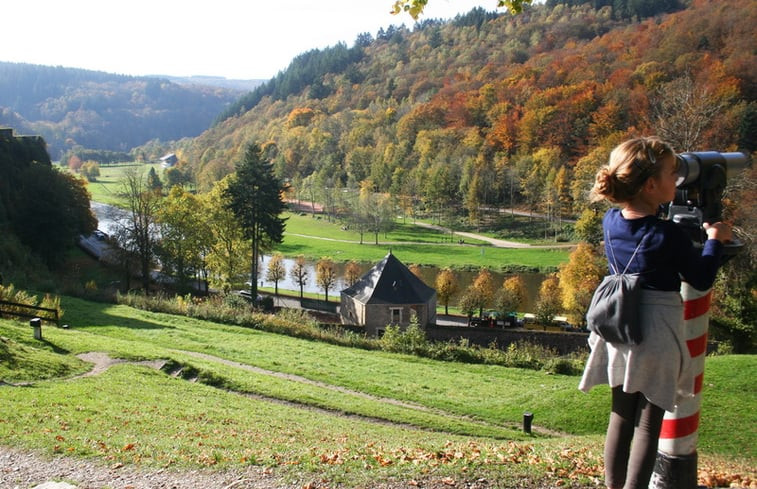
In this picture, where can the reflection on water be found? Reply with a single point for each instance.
(106, 216)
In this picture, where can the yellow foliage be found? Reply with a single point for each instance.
(578, 279)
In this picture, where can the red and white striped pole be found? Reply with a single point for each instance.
(676, 465)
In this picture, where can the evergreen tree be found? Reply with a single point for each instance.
(153, 181)
(255, 197)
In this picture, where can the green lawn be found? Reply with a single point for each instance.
(408, 418)
(107, 186)
(316, 238)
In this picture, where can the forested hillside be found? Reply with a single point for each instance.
(72, 107)
(498, 109)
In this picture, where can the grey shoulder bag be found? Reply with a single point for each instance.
(614, 310)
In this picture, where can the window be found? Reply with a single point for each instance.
(396, 315)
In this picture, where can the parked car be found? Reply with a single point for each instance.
(246, 295)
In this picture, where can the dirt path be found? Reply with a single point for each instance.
(23, 469)
(102, 361)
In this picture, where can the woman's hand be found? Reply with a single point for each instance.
(719, 230)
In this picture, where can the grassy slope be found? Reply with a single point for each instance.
(198, 424)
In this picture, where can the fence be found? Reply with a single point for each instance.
(26, 311)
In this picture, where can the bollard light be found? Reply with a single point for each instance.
(36, 323)
(527, 419)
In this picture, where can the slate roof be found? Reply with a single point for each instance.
(390, 282)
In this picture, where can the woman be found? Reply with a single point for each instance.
(649, 378)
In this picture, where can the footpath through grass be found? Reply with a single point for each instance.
(318, 411)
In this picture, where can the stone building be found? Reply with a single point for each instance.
(387, 294)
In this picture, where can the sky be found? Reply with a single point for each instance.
(236, 39)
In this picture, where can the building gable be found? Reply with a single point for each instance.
(390, 282)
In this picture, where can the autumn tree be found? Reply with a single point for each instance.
(484, 285)
(90, 170)
(470, 302)
(176, 176)
(351, 273)
(735, 305)
(136, 231)
(299, 273)
(255, 196)
(276, 271)
(415, 7)
(578, 279)
(446, 287)
(548, 302)
(511, 296)
(74, 163)
(588, 227)
(357, 217)
(375, 211)
(183, 236)
(325, 274)
(473, 200)
(228, 253)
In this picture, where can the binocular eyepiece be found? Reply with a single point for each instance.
(702, 177)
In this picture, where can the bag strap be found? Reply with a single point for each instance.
(614, 265)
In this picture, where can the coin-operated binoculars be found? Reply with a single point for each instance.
(701, 183)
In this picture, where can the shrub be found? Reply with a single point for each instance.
(9, 293)
(731, 329)
(52, 302)
(412, 340)
(562, 366)
(295, 322)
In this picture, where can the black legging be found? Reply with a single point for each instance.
(628, 465)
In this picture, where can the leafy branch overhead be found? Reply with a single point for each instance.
(415, 7)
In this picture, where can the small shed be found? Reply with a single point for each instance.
(387, 294)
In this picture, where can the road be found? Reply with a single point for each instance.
(497, 243)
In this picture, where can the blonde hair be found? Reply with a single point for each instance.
(631, 164)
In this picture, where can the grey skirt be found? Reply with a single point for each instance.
(659, 367)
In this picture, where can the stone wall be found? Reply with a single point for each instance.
(562, 342)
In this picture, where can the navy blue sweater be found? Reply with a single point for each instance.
(667, 255)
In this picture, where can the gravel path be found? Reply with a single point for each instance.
(20, 469)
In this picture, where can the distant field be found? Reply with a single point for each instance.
(317, 237)
(108, 184)
(414, 244)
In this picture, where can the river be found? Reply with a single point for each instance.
(107, 214)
